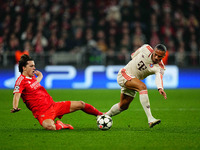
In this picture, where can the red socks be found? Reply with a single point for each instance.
(91, 110)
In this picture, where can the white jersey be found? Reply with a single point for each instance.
(142, 65)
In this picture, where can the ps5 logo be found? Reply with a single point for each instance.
(70, 72)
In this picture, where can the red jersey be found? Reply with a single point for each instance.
(33, 94)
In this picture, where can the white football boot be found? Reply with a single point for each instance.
(154, 122)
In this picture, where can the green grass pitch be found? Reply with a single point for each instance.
(179, 127)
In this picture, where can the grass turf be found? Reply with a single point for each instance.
(179, 129)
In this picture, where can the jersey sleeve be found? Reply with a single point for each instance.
(19, 86)
(159, 78)
(142, 48)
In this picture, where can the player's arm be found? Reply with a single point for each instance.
(159, 84)
(16, 98)
(39, 75)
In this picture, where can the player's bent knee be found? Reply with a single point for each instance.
(142, 87)
(124, 107)
(48, 124)
(50, 127)
(82, 104)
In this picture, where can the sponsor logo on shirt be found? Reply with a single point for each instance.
(35, 85)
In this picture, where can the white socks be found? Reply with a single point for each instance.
(144, 100)
(115, 109)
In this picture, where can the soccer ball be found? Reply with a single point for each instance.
(104, 122)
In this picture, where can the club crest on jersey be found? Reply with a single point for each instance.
(151, 65)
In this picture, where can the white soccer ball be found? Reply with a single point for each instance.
(104, 122)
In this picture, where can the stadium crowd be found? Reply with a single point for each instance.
(114, 28)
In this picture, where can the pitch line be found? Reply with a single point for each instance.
(171, 109)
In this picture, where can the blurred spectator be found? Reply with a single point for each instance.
(194, 51)
(125, 43)
(167, 30)
(122, 56)
(28, 47)
(125, 8)
(180, 56)
(114, 14)
(192, 21)
(2, 50)
(138, 38)
(14, 43)
(77, 22)
(27, 35)
(110, 57)
(61, 45)
(25, 50)
(39, 42)
(154, 38)
(53, 41)
(102, 46)
(155, 6)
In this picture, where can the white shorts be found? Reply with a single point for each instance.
(122, 78)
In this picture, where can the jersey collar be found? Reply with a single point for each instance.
(26, 77)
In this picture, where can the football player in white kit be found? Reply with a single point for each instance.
(145, 61)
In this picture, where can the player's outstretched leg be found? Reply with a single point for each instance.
(114, 110)
(91, 110)
(144, 100)
(87, 108)
(124, 103)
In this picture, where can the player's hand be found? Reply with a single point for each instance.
(15, 110)
(162, 92)
(37, 73)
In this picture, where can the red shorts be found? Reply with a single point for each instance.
(58, 109)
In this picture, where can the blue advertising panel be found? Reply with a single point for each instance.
(101, 77)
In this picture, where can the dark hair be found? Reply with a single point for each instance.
(23, 61)
(161, 47)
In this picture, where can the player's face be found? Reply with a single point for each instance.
(157, 56)
(29, 69)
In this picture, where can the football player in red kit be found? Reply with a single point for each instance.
(36, 98)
